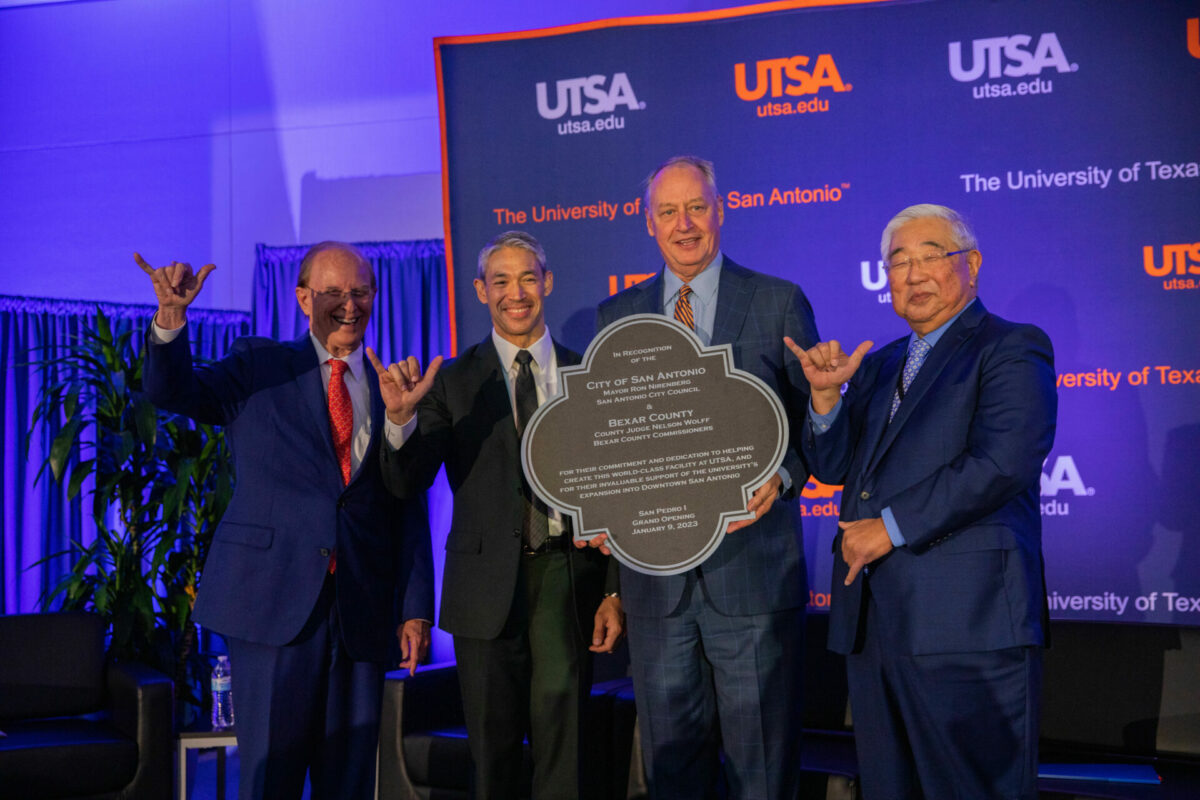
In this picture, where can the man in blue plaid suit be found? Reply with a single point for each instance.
(716, 651)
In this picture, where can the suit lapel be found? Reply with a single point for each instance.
(307, 374)
(734, 294)
(880, 403)
(566, 358)
(939, 357)
(488, 375)
(649, 297)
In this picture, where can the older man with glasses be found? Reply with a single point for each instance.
(938, 597)
(305, 565)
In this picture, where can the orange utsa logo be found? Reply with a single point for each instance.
(780, 76)
(1175, 258)
(815, 489)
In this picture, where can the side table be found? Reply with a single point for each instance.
(204, 739)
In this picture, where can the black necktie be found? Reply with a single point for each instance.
(536, 526)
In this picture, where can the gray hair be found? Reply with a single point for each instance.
(964, 236)
(705, 168)
(306, 264)
(518, 239)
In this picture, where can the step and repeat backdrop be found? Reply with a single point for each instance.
(1068, 132)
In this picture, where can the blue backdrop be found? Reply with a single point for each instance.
(1067, 131)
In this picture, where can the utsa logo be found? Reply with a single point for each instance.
(587, 95)
(1009, 57)
(1064, 475)
(1181, 259)
(1180, 267)
(780, 76)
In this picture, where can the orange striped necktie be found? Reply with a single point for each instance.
(683, 307)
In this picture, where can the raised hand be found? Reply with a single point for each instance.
(175, 287)
(827, 367)
(402, 385)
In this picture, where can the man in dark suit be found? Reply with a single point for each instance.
(722, 641)
(304, 568)
(524, 607)
(938, 595)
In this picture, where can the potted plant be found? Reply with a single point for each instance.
(159, 485)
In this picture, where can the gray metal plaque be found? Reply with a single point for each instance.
(655, 440)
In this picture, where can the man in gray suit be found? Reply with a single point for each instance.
(722, 641)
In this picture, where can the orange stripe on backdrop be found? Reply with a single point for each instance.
(616, 22)
(450, 305)
(654, 19)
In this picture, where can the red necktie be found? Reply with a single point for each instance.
(341, 415)
(341, 423)
(683, 307)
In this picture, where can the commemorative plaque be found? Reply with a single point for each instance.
(655, 440)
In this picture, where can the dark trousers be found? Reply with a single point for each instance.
(703, 680)
(936, 727)
(531, 680)
(303, 708)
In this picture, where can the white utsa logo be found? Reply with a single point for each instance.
(587, 95)
(1009, 57)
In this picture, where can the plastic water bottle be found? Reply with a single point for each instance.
(222, 694)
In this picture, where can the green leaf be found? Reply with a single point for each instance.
(173, 500)
(71, 402)
(103, 330)
(78, 475)
(63, 445)
(145, 417)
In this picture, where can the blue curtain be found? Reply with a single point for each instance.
(411, 317)
(36, 519)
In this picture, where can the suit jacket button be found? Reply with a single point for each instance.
(341, 503)
(324, 552)
(864, 495)
(516, 533)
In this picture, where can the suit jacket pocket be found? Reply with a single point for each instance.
(983, 537)
(256, 536)
(461, 541)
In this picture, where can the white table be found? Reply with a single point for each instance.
(220, 741)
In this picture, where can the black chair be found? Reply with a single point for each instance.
(75, 726)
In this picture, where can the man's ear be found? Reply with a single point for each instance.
(304, 298)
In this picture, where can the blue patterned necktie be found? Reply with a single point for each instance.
(912, 365)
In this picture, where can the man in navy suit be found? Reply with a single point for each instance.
(524, 607)
(938, 592)
(304, 569)
(716, 651)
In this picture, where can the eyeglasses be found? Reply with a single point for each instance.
(926, 260)
(338, 296)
